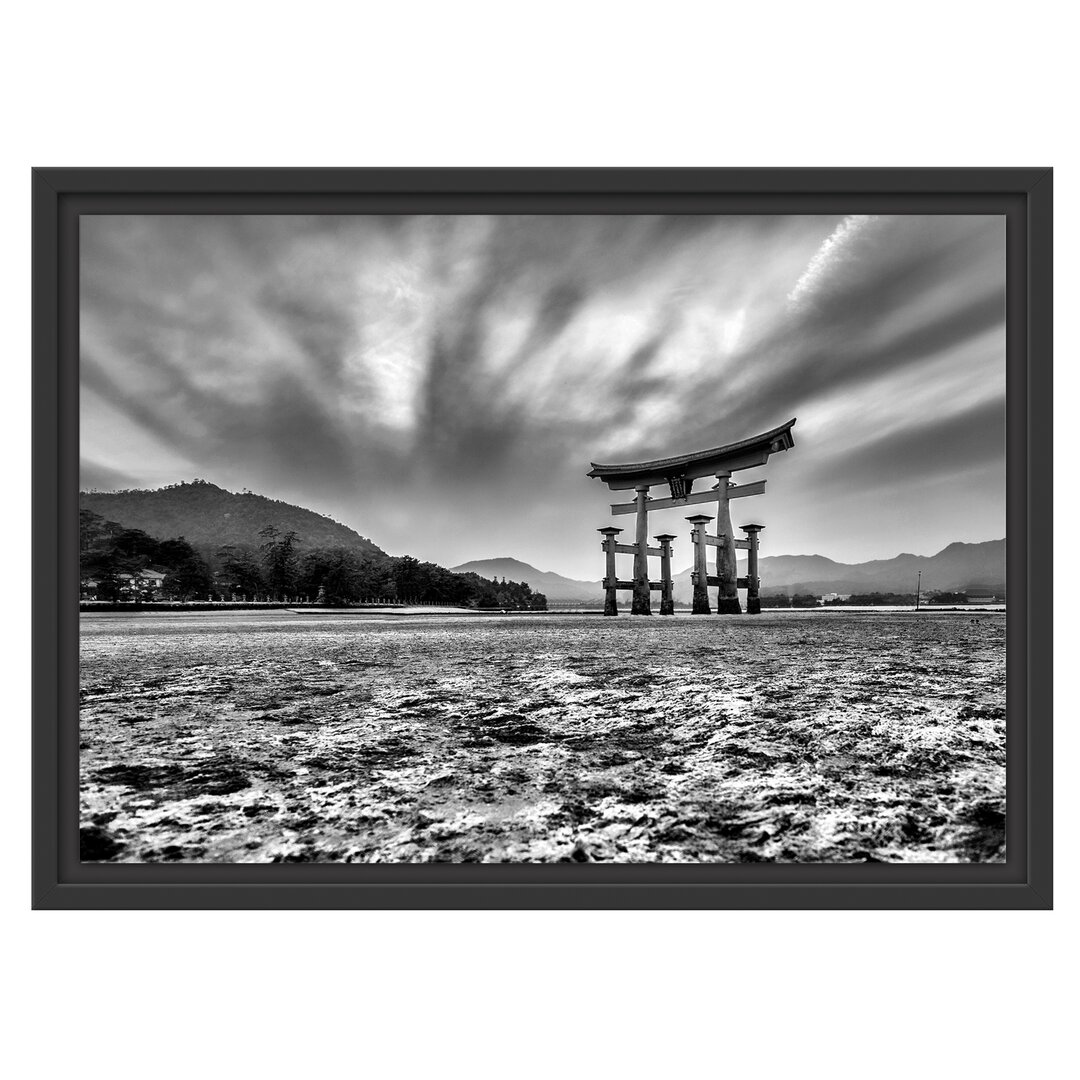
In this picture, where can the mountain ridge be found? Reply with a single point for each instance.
(554, 586)
(211, 517)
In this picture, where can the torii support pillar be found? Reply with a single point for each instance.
(727, 595)
(667, 598)
(753, 582)
(611, 604)
(642, 605)
(700, 576)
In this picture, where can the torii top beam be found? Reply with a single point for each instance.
(745, 454)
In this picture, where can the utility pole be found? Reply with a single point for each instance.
(918, 591)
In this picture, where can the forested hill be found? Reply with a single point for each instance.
(211, 517)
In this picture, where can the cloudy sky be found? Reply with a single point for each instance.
(441, 384)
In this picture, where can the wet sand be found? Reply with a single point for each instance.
(788, 737)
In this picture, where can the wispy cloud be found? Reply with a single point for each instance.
(834, 249)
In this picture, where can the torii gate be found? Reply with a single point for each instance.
(679, 473)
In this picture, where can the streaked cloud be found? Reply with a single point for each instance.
(441, 383)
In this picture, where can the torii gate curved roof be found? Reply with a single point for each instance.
(745, 454)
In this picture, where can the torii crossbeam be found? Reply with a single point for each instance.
(679, 473)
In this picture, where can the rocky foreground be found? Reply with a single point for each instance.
(788, 737)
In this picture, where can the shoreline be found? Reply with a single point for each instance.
(421, 610)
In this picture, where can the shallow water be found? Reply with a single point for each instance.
(790, 736)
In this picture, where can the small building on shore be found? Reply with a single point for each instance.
(142, 585)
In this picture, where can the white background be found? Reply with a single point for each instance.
(519, 994)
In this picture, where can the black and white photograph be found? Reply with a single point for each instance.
(541, 538)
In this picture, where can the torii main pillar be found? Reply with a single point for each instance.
(642, 604)
(727, 569)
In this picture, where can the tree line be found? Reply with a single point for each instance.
(873, 599)
(277, 568)
(782, 600)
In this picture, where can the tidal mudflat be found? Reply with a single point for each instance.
(787, 737)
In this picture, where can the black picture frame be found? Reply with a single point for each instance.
(60, 196)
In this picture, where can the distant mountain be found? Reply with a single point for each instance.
(959, 566)
(784, 569)
(210, 517)
(955, 566)
(553, 586)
